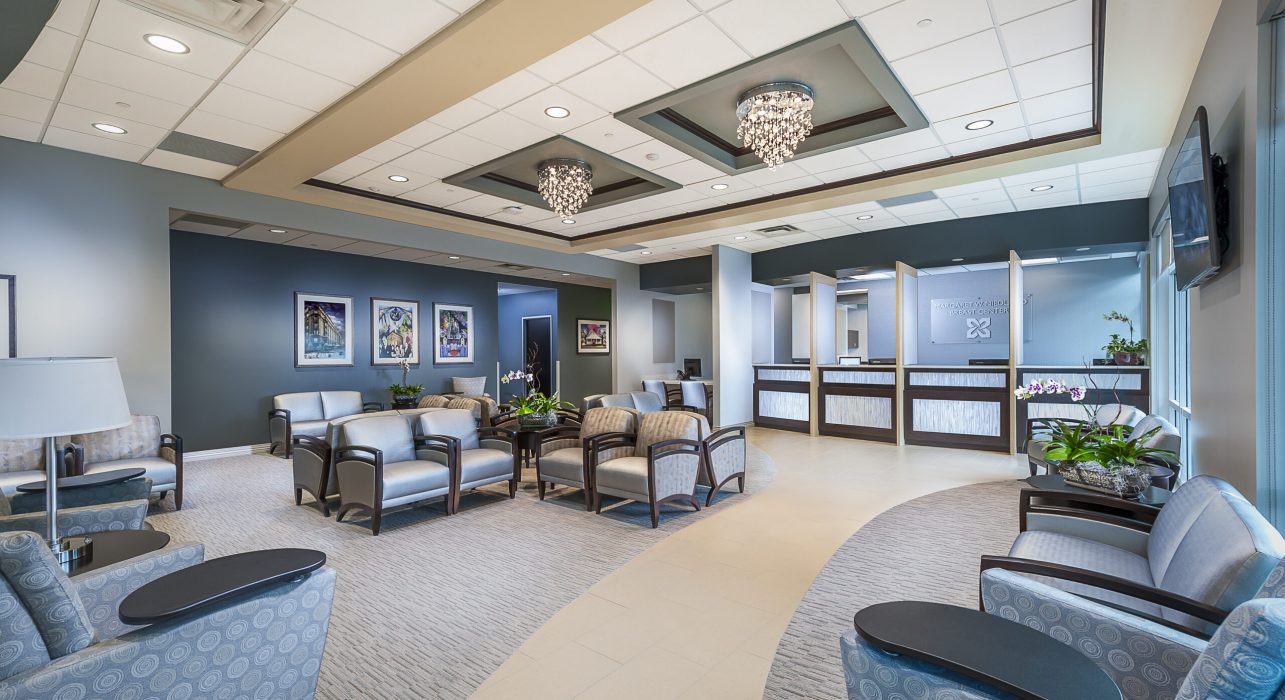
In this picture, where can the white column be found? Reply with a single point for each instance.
(733, 346)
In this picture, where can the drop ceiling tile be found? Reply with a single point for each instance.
(1143, 185)
(1142, 171)
(353, 167)
(849, 172)
(527, 215)
(1075, 122)
(178, 162)
(860, 8)
(395, 24)
(365, 248)
(506, 131)
(960, 60)
(77, 141)
(928, 217)
(836, 232)
(386, 151)
(271, 76)
(1018, 191)
(1005, 118)
(421, 134)
(764, 176)
(607, 135)
(1056, 105)
(253, 108)
(977, 94)
(571, 60)
(927, 206)
(664, 155)
(464, 149)
(733, 185)
(896, 31)
(376, 180)
(14, 128)
(1064, 198)
(52, 49)
(615, 84)
(34, 79)
(688, 172)
(831, 160)
(742, 195)
(320, 241)
(906, 160)
(460, 6)
(520, 85)
(763, 26)
(482, 205)
(122, 26)
(969, 188)
(1107, 195)
(219, 128)
(901, 143)
(461, 114)
(987, 209)
(320, 46)
(688, 52)
(1009, 10)
(982, 143)
(70, 16)
(644, 23)
(878, 224)
(1060, 72)
(439, 194)
(119, 102)
(532, 110)
(1152, 156)
(108, 65)
(1059, 29)
(20, 105)
(797, 183)
(975, 199)
(74, 118)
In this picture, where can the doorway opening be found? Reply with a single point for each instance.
(528, 337)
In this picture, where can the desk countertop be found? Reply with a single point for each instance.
(972, 368)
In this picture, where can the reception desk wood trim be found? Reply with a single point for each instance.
(783, 397)
(858, 402)
(1108, 384)
(965, 407)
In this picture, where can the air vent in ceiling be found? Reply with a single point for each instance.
(628, 248)
(239, 20)
(515, 266)
(778, 230)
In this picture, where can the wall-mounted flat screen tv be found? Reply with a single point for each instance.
(1195, 185)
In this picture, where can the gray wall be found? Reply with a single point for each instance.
(782, 326)
(233, 315)
(1066, 324)
(1223, 310)
(512, 309)
(694, 329)
(881, 318)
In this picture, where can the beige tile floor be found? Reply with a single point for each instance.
(699, 614)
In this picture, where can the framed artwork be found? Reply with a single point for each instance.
(394, 331)
(593, 337)
(453, 334)
(8, 318)
(322, 330)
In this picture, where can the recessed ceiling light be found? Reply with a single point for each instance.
(276, 230)
(1041, 188)
(719, 186)
(453, 257)
(568, 221)
(957, 260)
(109, 128)
(979, 124)
(700, 289)
(741, 238)
(566, 274)
(168, 44)
(646, 252)
(399, 178)
(123, 105)
(865, 217)
(1081, 250)
(925, 22)
(557, 112)
(652, 156)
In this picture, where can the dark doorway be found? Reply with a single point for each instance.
(537, 349)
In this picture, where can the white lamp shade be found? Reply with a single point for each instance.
(51, 396)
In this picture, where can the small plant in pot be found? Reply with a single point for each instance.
(533, 408)
(405, 393)
(1121, 351)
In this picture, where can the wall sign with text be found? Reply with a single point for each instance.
(981, 320)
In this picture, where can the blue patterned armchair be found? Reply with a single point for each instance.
(63, 637)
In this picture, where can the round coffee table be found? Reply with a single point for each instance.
(114, 476)
(116, 546)
(1003, 654)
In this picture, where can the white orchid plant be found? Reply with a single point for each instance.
(534, 401)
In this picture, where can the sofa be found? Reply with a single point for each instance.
(308, 413)
(383, 465)
(139, 444)
(23, 461)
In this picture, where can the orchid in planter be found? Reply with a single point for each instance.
(533, 408)
(404, 392)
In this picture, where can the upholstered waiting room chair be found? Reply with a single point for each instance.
(139, 444)
(23, 461)
(563, 456)
(724, 460)
(698, 396)
(64, 637)
(476, 456)
(75, 520)
(308, 413)
(667, 460)
(669, 392)
(378, 468)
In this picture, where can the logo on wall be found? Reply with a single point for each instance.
(978, 328)
(980, 320)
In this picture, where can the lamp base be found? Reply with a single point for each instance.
(69, 549)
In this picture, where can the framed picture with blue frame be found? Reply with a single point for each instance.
(452, 334)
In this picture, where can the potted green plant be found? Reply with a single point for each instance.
(1121, 351)
(533, 408)
(405, 393)
(1123, 459)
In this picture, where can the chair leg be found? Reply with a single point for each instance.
(709, 500)
(597, 503)
(588, 499)
(540, 488)
(298, 496)
(655, 514)
(740, 483)
(513, 488)
(325, 507)
(1031, 463)
(374, 521)
(178, 496)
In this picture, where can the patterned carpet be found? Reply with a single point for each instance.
(925, 549)
(434, 604)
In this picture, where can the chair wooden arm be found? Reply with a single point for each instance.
(73, 460)
(371, 407)
(1163, 598)
(596, 445)
(681, 407)
(279, 413)
(558, 432)
(315, 445)
(493, 433)
(726, 435)
(677, 446)
(1146, 514)
(358, 453)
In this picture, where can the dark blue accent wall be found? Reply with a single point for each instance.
(512, 309)
(232, 309)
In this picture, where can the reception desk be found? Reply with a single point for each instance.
(858, 401)
(783, 397)
(957, 406)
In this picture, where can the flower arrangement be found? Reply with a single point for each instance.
(405, 391)
(533, 402)
(1125, 352)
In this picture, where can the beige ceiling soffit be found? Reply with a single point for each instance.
(953, 173)
(491, 42)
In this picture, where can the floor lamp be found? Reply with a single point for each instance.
(44, 397)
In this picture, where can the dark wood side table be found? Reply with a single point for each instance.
(1049, 494)
(116, 546)
(114, 476)
(215, 581)
(1006, 655)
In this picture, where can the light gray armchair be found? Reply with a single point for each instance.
(308, 413)
(64, 639)
(563, 456)
(137, 445)
(379, 468)
(667, 459)
(476, 456)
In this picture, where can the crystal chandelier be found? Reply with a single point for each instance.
(775, 118)
(565, 183)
